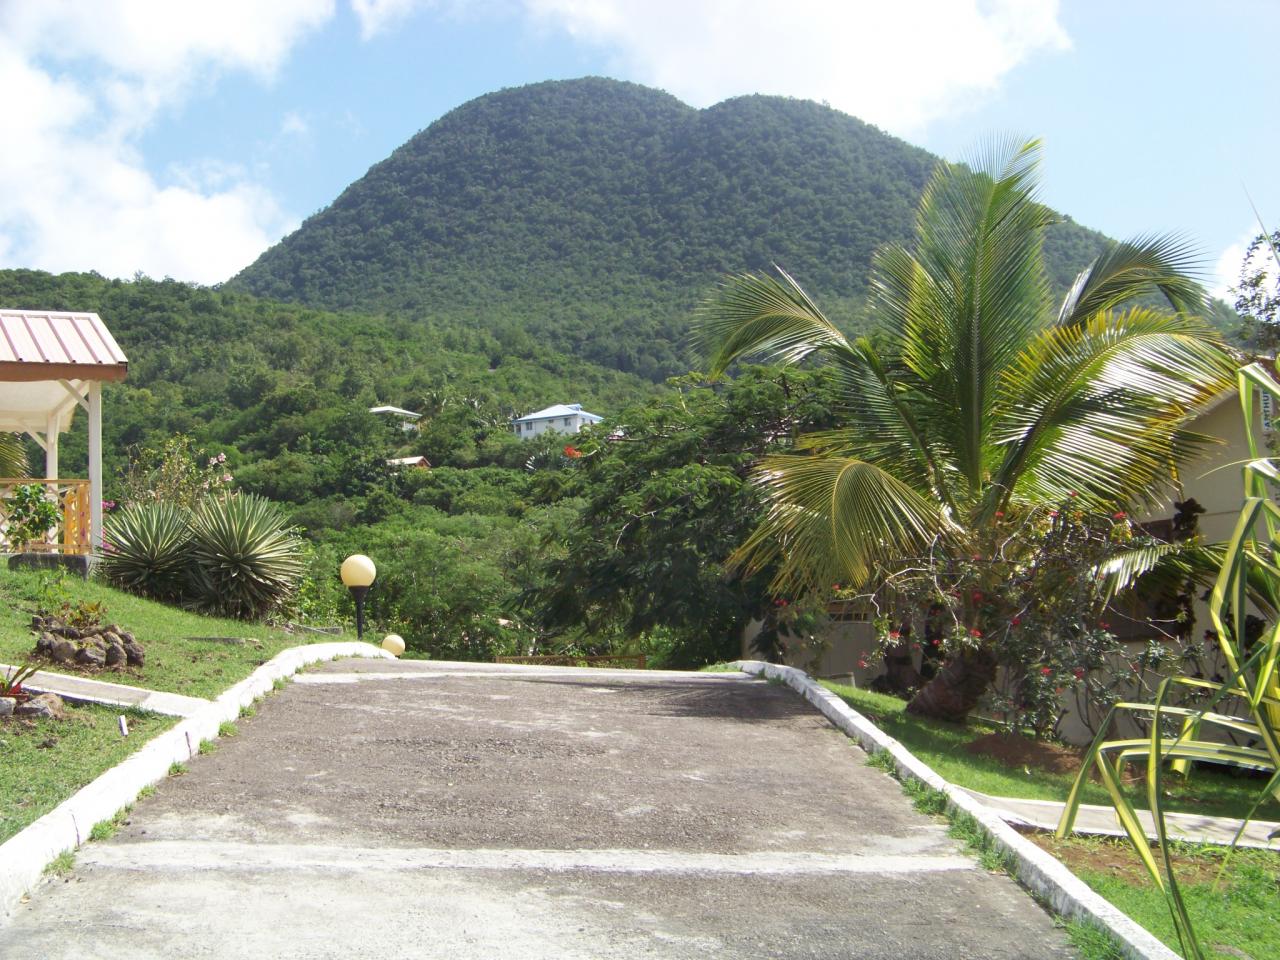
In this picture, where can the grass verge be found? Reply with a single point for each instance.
(42, 762)
(1234, 909)
(175, 663)
(942, 746)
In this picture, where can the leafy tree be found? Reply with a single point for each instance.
(985, 400)
(668, 497)
(1258, 293)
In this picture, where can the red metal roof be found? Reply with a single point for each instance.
(39, 345)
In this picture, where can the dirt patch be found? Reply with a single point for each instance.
(1016, 751)
(1116, 858)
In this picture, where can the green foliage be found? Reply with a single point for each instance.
(668, 498)
(13, 455)
(245, 561)
(172, 472)
(591, 215)
(984, 397)
(11, 680)
(1246, 707)
(30, 513)
(147, 548)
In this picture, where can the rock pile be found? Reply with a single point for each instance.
(94, 647)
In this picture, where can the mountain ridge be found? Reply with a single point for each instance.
(595, 214)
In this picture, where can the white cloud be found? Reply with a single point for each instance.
(1231, 262)
(82, 80)
(375, 16)
(293, 125)
(896, 64)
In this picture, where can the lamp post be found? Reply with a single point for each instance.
(357, 574)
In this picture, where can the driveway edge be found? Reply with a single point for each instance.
(24, 856)
(1039, 872)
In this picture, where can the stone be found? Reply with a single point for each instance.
(46, 642)
(135, 654)
(126, 636)
(111, 638)
(115, 655)
(91, 656)
(7, 705)
(45, 705)
(63, 651)
(78, 564)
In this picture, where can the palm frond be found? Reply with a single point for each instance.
(13, 455)
(1098, 407)
(755, 314)
(965, 302)
(836, 518)
(1133, 269)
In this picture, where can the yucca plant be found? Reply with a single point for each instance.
(1246, 705)
(147, 549)
(245, 560)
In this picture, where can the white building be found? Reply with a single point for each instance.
(562, 418)
(408, 419)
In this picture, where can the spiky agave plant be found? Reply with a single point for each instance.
(245, 560)
(146, 549)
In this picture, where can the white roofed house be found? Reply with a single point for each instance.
(408, 419)
(561, 418)
(52, 364)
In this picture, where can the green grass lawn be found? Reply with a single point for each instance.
(175, 663)
(42, 762)
(1235, 917)
(942, 746)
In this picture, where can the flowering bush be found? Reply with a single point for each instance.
(174, 472)
(1040, 609)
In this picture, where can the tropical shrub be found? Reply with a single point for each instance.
(173, 472)
(981, 396)
(244, 559)
(1243, 709)
(147, 549)
(31, 513)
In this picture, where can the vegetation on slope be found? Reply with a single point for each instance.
(595, 214)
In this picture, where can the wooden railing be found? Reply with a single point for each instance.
(70, 535)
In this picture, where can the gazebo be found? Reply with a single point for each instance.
(50, 365)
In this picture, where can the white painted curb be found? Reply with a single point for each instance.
(23, 856)
(1038, 871)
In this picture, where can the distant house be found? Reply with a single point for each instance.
(408, 419)
(562, 418)
(417, 463)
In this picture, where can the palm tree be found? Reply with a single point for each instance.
(978, 395)
(13, 456)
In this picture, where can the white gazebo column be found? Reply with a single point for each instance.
(51, 447)
(95, 465)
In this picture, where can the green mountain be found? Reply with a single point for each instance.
(595, 214)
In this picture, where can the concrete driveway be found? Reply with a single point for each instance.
(390, 810)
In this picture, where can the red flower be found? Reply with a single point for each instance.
(1078, 673)
(862, 664)
(572, 452)
(1015, 621)
(999, 514)
(975, 632)
(895, 635)
(977, 595)
(1118, 515)
(1103, 625)
(1046, 671)
(1071, 493)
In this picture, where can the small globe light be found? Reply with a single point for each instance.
(358, 571)
(393, 643)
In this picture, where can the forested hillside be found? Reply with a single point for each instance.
(595, 214)
(284, 389)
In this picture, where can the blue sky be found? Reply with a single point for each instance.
(183, 139)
